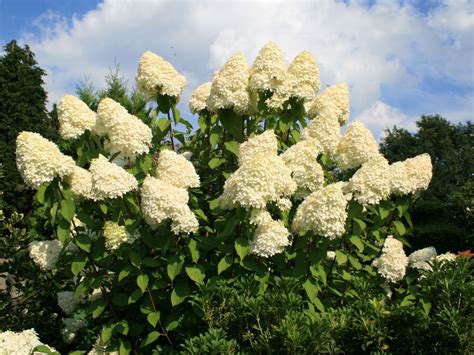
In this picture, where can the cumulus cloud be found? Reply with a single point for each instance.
(381, 51)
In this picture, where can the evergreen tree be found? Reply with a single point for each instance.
(443, 215)
(22, 107)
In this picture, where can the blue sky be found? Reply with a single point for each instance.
(401, 59)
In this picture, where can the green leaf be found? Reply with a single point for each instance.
(215, 162)
(63, 230)
(345, 275)
(242, 247)
(135, 296)
(200, 213)
(216, 134)
(361, 224)
(174, 267)
(224, 264)
(150, 338)
(399, 227)
(317, 302)
(233, 123)
(355, 263)
(98, 307)
(163, 124)
(153, 318)
(125, 272)
(83, 241)
(68, 209)
(408, 300)
(426, 307)
(78, 263)
(311, 289)
(103, 207)
(384, 213)
(125, 347)
(193, 250)
(135, 259)
(179, 293)
(107, 333)
(196, 273)
(142, 282)
(42, 349)
(341, 258)
(41, 194)
(357, 242)
(232, 147)
(145, 163)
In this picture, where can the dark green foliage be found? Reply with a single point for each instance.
(22, 107)
(443, 215)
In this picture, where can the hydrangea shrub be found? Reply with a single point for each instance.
(144, 214)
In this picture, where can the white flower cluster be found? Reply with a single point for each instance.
(39, 160)
(74, 117)
(110, 180)
(68, 301)
(420, 259)
(262, 175)
(115, 235)
(80, 181)
(301, 81)
(126, 133)
(411, 175)
(271, 237)
(371, 183)
(323, 212)
(446, 257)
(100, 348)
(162, 200)
(45, 253)
(71, 327)
(229, 87)
(21, 343)
(335, 99)
(357, 147)
(268, 71)
(198, 100)
(306, 171)
(156, 76)
(325, 130)
(176, 170)
(393, 262)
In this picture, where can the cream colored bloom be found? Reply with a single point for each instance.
(80, 181)
(371, 183)
(229, 89)
(156, 76)
(306, 171)
(45, 253)
(198, 100)
(446, 257)
(393, 262)
(68, 301)
(301, 81)
(20, 343)
(127, 133)
(325, 130)
(161, 201)
(39, 160)
(336, 99)
(323, 212)
(110, 180)
(176, 170)
(357, 147)
(268, 72)
(264, 144)
(74, 117)
(115, 235)
(262, 175)
(420, 259)
(411, 175)
(271, 237)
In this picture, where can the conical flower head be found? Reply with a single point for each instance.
(198, 100)
(229, 89)
(268, 72)
(156, 76)
(336, 99)
(74, 117)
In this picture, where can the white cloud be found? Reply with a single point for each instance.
(380, 116)
(387, 47)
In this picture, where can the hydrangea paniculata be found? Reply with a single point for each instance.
(393, 262)
(74, 117)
